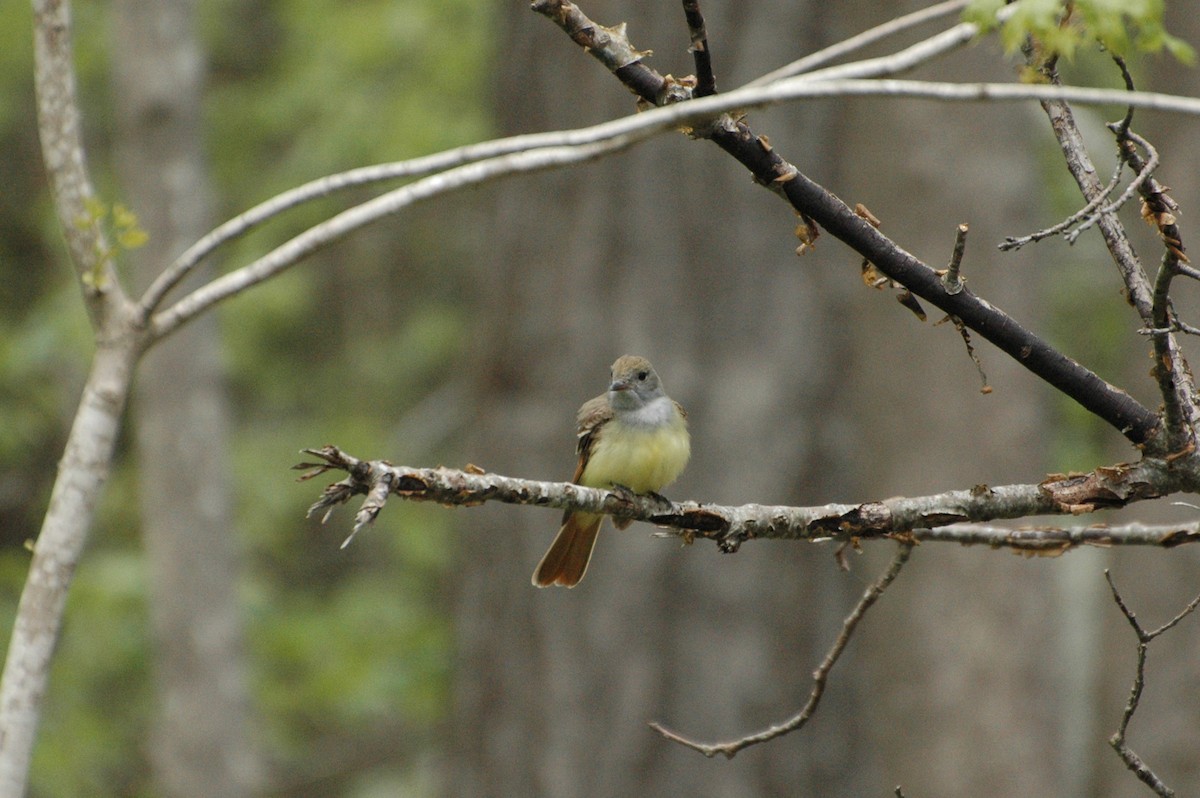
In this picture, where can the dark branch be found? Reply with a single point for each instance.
(820, 675)
(706, 81)
(1136, 422)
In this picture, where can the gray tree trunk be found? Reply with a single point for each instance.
(201, 744)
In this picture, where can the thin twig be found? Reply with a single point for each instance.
(1175, 326)
(1086, 217)
(951, 279)
(1079, 163)
(971, 353)
(820, 675)
(706, 81)
(1143, 174)
(1132, 761)
(1016, 242)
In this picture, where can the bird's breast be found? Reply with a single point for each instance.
(639, 457)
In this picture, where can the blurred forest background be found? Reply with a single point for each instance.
(419, 661)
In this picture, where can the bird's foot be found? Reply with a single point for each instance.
(622, 492)
(662, 500)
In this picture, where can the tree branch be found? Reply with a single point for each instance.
(812, 201)
(1085, 217)
(331, 184)
(87, 455)
(918, 518)
(322, 235)
(1181, 404)
(901, 61)
(59, 127)
(820, 675)
(747, 97)
(1079, 164)
(706, 81)
(966, 32)
(1132, 761)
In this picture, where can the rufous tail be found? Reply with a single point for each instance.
(566, 561)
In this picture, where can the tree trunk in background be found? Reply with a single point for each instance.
(201, 745)
(641, 254)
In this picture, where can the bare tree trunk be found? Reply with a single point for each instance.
(640, 254)
(202, 743)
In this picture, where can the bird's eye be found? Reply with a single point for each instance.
(642, 375)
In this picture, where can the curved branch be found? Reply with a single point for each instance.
(820, 675)
(943, 42)
(472, 153)
(331, 184)
(557, 149)
(322, 235)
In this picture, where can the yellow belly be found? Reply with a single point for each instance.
(641, 459)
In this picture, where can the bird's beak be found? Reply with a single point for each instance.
(620, 385)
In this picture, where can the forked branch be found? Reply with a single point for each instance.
(1132, 761)
(820, 675)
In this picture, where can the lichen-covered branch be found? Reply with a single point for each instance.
(932, 518)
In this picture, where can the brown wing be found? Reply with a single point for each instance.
(594, 414)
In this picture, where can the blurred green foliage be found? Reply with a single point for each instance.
(348, 650)
(1121, 26)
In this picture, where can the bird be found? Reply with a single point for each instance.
(631, 436)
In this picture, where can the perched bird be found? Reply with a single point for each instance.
(632, 436)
